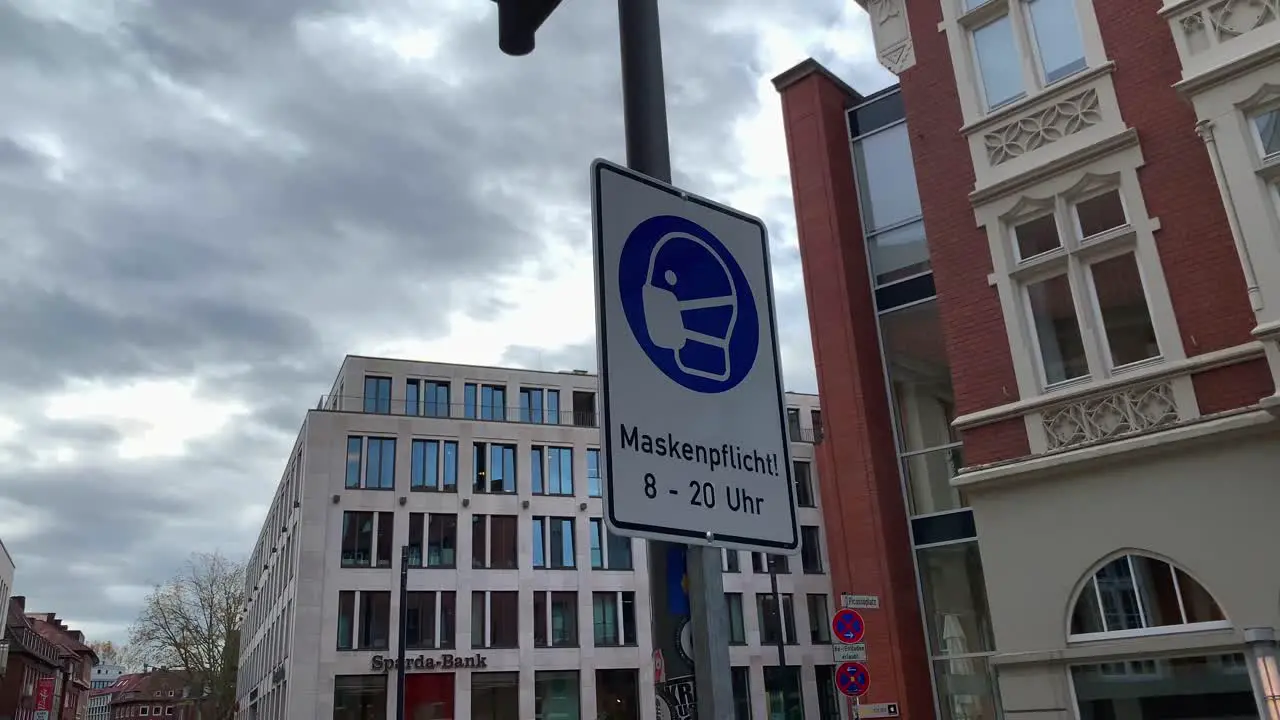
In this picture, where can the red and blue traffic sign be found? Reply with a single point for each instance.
(853, 679)
(847, 625)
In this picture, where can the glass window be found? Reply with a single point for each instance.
(503, 552)
(886, 179)
(559, 471)
(1135, 592)
(741, 693)
(449, 474)
(811, 549)
(555, 619)
(793, 424)
(597, 543)
(1036, 237)
(767, 619)
(1057, 330)
(495, 696)
(593, 473)
(531, 405)
(783, 698)
(804, 483)
(355, 455)
(357, 539)
(732, 562)
(1100, 214)
(442, 540)
(553, 543)
(584, 408)
(537, 464)
(448, 619)
(493, 402)
(617, 694)
(375, 620)
(359, 697)
(504, 626)
(1057, 34)
(424, 472)
(437, 401)
(957, 617)
(469, 400)
(819, 619)
(553, 407)
(412, 401)
(380, 471)
(420, 621)
(737, 623)
(999, 63)
(502, 468)
(1122, 304)
(618, 551)
(555, 695)
(604, 612)
(346, 619)
(828, 694)
(1216, 687)
(377, 394)
(386, 530)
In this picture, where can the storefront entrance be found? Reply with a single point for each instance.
(429, 696)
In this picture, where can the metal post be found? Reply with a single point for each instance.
(402, 632)
(782, 632)
(644, 106)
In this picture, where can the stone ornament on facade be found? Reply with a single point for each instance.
(1131, 410)
(1232, 18)
(892, 34)
(1065, 117)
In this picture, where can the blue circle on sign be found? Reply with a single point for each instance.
(848, 625)
(853, 679)
(688, 304)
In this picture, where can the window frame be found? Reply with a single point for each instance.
(1090, 585)
(1035, 80)
(443, 482)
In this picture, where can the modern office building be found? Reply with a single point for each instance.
(521, 603)
(105, 675)
(1044, 287)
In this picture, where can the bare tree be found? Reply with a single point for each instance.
(110, 653)
(190, 624)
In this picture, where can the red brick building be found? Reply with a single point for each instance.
(41, 646)
(1043, 277)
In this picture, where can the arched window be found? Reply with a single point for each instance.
(1136, 595)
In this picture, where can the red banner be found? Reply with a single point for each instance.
(44, 697)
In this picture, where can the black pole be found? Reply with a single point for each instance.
(644, 99)
(402, 630)
(782, 633)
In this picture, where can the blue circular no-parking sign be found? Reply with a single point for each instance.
(688, 304)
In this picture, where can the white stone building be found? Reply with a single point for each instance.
(521, 604)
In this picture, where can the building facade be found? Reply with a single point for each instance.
(34, 663)
(105, 675)
(7, 569)
(1041, 276)
(521, 603)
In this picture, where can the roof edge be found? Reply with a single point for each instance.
(807, 67)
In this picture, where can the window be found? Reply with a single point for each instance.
(816, 417)
(495, 695)
(767, 616)
(1198, 686)
(442, 540)
(1052, 35)
(420, 621)
(741, 693)
(762, 564)
(957, 617)
(804, 483)
(555, 619)
(358, 533)
(1092, 267)
(556, 695)
(437, 399)
(346, 620)
(609, 551)
(494, 619)
(379, 461)
(819, 619)
(593, 473)
(553, 545)
(412, 397)
(731, 562)
(811, 549)
(584, 408)
(737, 623)
(828, 695)
(375, 620)
(386, 530)
(1266, 132)
(531, 405)
(493, 402)
(434, 466)
(891, 216)
(469, 400)
(493, 542)
(558, 478)
(356, 697)
(617, 689)
(614, 617)
(415, 539)
(783, 698)
(377, 394)
(793, 424)
(495, 468)
(1139, 595)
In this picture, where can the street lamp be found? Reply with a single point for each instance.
(518, 21)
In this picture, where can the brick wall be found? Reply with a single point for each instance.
(858, 477)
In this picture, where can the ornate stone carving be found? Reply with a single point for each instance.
(1049, 125)
(892, 34)
(1232, 18)
(1132, 410)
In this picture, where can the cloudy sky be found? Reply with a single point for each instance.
(207, 203)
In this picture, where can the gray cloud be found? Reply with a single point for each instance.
(240, 192)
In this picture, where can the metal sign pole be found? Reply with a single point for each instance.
(648, 151)
(402, 631)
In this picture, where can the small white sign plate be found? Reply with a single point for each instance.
(873, 710)
(692, 421)
(857, 652)
(860, 602)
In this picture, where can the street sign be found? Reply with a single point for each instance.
(853, 679)
(692, 419)
(848, 627)
(860, 602)
(856, 652)
(866, 711)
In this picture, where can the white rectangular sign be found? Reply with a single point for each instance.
(857, 652)
(872, 710)
(860, 602)
(693, 425)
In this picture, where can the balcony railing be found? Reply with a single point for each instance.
(813, 436)
(481, 412)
